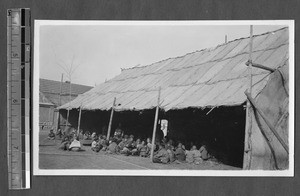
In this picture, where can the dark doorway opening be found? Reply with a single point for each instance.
(221, 129)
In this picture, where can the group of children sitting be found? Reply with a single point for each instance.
(167, 153)
(121, 145)
(164, 151)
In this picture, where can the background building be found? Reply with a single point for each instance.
(53, 94)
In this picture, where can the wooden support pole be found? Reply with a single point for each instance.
(250, 59)
(110, 119)
(260, 66)
(155, 125)
(272, 128)
(248, 128)
(79, 119)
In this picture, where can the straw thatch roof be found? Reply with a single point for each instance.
(206, 78)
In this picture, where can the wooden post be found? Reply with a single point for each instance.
(260, 66)
(248, 129)
(250, 59)
(110, 119)
(155, 124)
(79, 119)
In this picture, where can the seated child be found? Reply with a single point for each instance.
(65, 143)
(128, 147)
(149, 146)
(51, 135)
(86, 136)
(204, 153)
(59, 133)
(180, 153)
(112, 148)
(197, 157)
(121, 145)
(189, 156)
(170, 150)
(94, 136)
(95, 146)
(75, 145)
(81, 135)
(137, 148)
(162, 156)
(103, 143)
(143, 149)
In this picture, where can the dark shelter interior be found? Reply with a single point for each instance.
(221, 129)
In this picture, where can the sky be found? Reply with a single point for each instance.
(98, 52)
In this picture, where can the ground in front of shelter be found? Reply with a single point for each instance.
(50, 157)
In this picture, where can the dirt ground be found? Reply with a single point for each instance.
(50, 157)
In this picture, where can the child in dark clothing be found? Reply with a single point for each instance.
(65, 143)
(143, 149)
(180, 153)
(59, 133)
(162, 156)
(204, 153)
(95, 146)
(112, 148)
(103, 143)
(137, 148)
(51, 135)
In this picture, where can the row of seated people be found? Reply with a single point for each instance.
(167, 153)
(164, 151)
(123, 145)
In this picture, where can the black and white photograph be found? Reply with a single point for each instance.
(163, 98)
